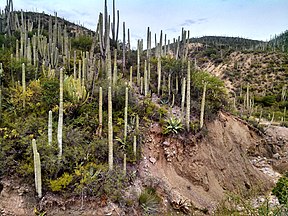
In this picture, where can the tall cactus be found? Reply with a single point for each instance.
(24, 84)
(60, 119)
(188, 97)
(37, 169)
(183, 92)
(146, 86)
(50, 127)
(125, 127)
(138, 63)
(115, 75)
(203, 104)
(124, 50)
(99, 130)
(159, 75)
(110, 130)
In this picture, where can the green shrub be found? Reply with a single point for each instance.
(281, 189)
(61, 183)
(149, 201)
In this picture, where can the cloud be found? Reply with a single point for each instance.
(190, 22)
(174, 30)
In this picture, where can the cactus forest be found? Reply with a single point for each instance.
(76, 105)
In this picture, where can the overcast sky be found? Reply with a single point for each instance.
(254, 19)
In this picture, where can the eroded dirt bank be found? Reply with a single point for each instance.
(201, 169)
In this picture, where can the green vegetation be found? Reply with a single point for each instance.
(149, 201)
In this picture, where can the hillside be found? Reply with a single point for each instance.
(90, 127)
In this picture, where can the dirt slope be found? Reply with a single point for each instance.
(202, 169)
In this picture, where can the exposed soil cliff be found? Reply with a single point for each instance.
(201, 169)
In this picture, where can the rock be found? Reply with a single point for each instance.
(276, 156)
(152, 160)
(166, 143)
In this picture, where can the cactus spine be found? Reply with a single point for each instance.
(110, 130)
(60, 119)
(37, 169)
(50, 127)
(203, 105)
(188, 98)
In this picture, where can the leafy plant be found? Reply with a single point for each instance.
(172, 125)
(281, 189)
(149, 201)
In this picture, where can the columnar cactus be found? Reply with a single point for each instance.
(124, 49)
(99, 130)
(188, 97)
(134, 146)
(37, 169)
(126, 114)
(138, 63)
(115, 75)
(146, 86)
(159, 75)
(24, 84)
(110, 130)
(50, 127)
(183, 90)
(203, 105)
(60, 118)
(131, 76)
(125, 126)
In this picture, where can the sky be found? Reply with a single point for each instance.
(253, 19)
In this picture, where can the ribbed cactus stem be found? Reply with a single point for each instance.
(137, 124)
(79, 70)
(203, 105)
(134, 146)
(183, 90)
(141, 85)
(24, 84)
(124, 164)
(50, 127)
(110, 130)
(100, 111)
(126, 114)
(131, 76)
(37, 169)
(188, 98)
(60, 118)
(115, 75)
(74, 65)
(159, 75)
(146, 89)
(124, 50)
(138, 64)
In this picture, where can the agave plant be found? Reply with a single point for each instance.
(172, 125)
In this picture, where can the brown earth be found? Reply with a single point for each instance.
(200, 170)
